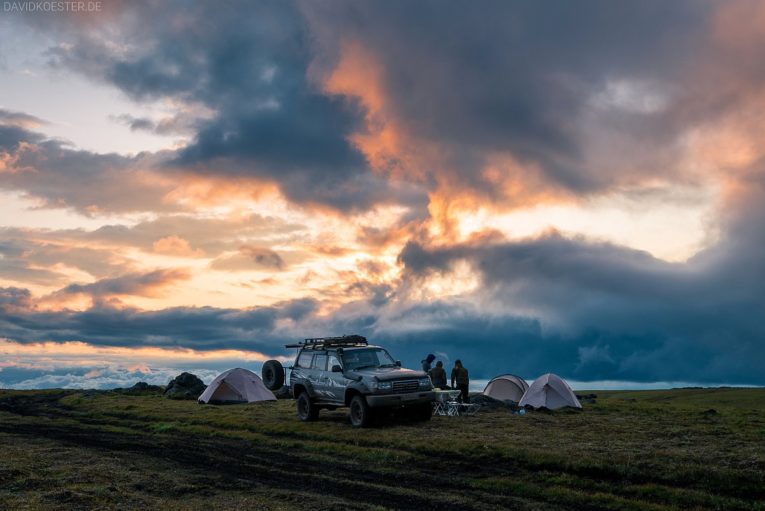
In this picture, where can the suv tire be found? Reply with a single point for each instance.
(307, 411)
(273, 375)
(361, 414)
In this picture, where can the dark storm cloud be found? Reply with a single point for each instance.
(11, 136)
(614, 313)
(15, 296)
(497, 76)
(247, 62)
(203, 328)
(491, 78)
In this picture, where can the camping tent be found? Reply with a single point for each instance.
(506, 387)
(549, 391)
(237, 386)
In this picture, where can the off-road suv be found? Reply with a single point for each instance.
(332, 372)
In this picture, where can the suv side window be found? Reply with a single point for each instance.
(320, 362)
(333, 361)
(304, 360)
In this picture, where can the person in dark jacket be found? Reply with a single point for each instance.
(438, 376)
(462, 380)
(426, 364)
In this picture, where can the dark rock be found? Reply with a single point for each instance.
(185, 386)
(283, 393)
(709, 412)
(141, 388)
(489, 403)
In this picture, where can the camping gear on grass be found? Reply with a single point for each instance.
(549, 391)
(506, 387)
(446, 404)
(237, 386)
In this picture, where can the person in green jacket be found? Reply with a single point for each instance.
(460, 376)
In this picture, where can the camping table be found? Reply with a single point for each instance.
(446, 403)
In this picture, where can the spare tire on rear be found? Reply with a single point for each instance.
(273, 375)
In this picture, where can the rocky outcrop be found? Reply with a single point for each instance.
(141, 388)
(185, 386)
(283, 393)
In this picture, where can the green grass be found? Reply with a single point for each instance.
(674, 449)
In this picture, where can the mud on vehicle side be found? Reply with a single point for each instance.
(335, 372)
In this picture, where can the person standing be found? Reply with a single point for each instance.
(438, 376)
(426, 364)
(462, 380)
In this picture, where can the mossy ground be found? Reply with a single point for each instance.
(631, 450)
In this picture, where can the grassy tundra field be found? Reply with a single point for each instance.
(675, 449)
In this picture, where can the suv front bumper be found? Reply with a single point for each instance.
(391, 400)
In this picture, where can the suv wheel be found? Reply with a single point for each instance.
(273, 375)
(306, 410)
(361, 414)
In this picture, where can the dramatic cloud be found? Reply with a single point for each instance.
(19, 119)
(26, 252)
(270, 121)
(576, 188)
(78, 365)
(512, 97)
(61, 176)
(145, 284)
(614, 313)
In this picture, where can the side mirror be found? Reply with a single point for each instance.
(337, 369)
(398, 363)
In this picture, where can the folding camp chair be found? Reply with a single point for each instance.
(439, 407)
(440, 403)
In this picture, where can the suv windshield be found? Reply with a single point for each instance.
(372, 357)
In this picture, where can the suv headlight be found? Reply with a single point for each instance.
(382, 385)
(424, 382)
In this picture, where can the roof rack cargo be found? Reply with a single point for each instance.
(320, 343)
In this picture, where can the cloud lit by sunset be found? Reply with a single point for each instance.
(576, 190)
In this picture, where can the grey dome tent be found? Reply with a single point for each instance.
(236, 386)
(549, 391)
(506, 387)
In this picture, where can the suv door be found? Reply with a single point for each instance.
(302, 368)
(336, 382)
(319, 376)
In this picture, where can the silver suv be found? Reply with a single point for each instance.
(332, 372)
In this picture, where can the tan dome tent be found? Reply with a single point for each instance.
(236, 386)
(506, 387)
(549, 391)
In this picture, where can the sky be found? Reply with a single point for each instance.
(530, 187)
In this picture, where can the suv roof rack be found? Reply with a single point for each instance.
(320, 343)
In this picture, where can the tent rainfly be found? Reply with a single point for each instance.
(236, 386)
(506, 387)
(549, 391)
